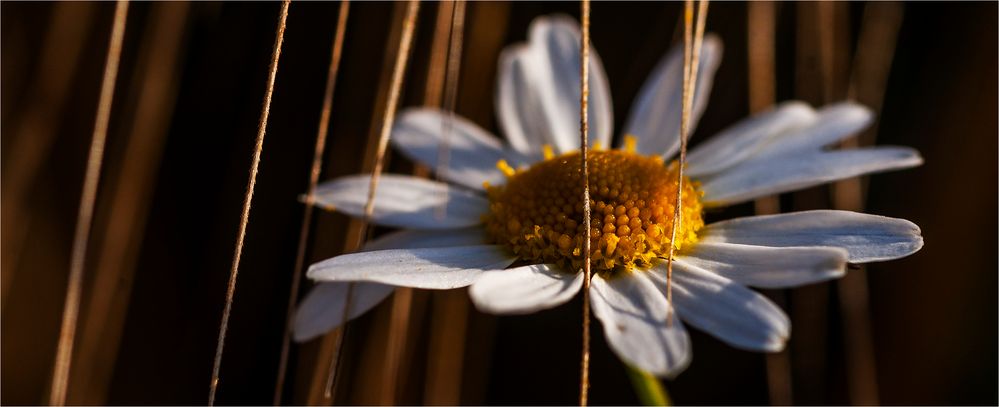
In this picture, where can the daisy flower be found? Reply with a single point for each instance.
(512, 229)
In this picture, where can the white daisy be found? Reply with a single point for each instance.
(518, 204)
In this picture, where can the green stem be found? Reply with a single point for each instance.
(649, 389)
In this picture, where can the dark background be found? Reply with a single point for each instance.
(933, 314)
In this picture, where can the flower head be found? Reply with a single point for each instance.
(513, 231)
(538, 212)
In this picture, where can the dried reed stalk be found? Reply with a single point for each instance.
(74, 289)
(449, 312)
(35, 129)
(871, 65)
(820, 68)
(388, 118)
(456, 30)
(318, 366)
(408, 305)
(761, 24)
(584, 141)
(317, 162)
(322, 386)
(691, 60)
(398, 327)
(154, 91)
(455, 371)
(248, 199)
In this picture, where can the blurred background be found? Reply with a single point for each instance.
(921, 330)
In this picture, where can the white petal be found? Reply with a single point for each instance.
(518, 104)
(404, 201)
(538, 95)
(471, 152)
(433, 268)
(655, 113)
(414, 239)
(634, 313)
(755, 178)
(866, 237)
(524, 290)
(322, 309)
(740, 141)
(834, 123)
(767, 267)
(731, 312)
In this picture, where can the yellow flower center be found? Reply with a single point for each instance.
(538, 214)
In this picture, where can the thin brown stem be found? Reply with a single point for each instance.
(691, 60)
(584, 130)
(331, 375)
(317, 162)
(74, 289)
(34, 132)
(450, 94)
(129, 187)
(760, 44)
(688, 17)
(248, 199)
(402, 58)
(388, 118)
(871, 66)
(445, 378)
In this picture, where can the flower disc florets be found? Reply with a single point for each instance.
(538, 214)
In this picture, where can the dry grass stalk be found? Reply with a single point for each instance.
(452, 377)
(388, 118)
(74, 289)
(317, 161)
(822, 52)
(584, 141)
(248, 199)
(35, 130)
(323, 384)
(456, 31)
(402, 301)
(871, 65)
(409, 305)
(154, 90)
(761, 25)
(327, 354)
(691, 60)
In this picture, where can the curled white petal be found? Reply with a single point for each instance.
(655, 113)
(432, 268)
(865, 237)
(538, 91)
(767, 267)
(518, 105)
(633, 313)
(404, 201)
(756, 178)
(725, 309)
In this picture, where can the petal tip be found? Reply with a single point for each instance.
(713, 40)
(777, 344)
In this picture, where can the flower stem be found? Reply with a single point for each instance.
(649, 389)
